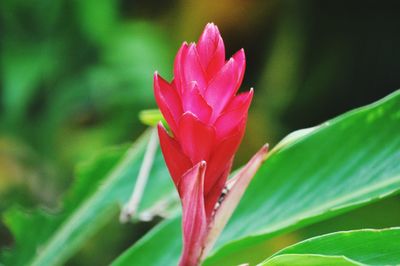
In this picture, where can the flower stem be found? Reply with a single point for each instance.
(131, 207)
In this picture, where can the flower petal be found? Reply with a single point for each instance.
(189, 68)
(193, 102)
(193, 214)
(215, 190)
(197, 139)
(175, 160)
(240, 60)
(178, 67)
(168, 100)
(236, 187)
(221, 89)
(233, 115)
(211, 50)
(219, 160)
(239, 100)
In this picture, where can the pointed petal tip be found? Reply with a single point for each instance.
(160, 82)
(183, 47)
(161, 129)
(193, 84)
(210, 34)
(261, 154)
(264, 150)
(202, 164)
(189, 113)
(199, 168)
(193, 101)
(240, 58)
(241, 52)
(160, 125)
(249, 94)
(230, 64)
(211, 26)
(245, 96)
(156, 78)
(182, 50)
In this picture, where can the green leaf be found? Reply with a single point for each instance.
(97, 23)
(103, 183)
(23, 70)
(132, 53)
(161, 246)
(344, 163)
(151, 117)
(309, 260)
(367, 246)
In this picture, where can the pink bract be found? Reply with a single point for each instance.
(207, 120)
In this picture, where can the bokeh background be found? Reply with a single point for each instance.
(75, 74)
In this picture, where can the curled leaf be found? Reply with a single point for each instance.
(235, 188)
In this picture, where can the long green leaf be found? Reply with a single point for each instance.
(367, 247)
(161, 246)
(310, 260)
(103, 183)
(344, 163)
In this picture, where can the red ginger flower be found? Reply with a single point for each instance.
(207, 120)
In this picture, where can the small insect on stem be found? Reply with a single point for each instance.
(221, 198)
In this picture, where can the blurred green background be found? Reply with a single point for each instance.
(75, 74)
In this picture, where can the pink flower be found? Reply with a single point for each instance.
(207, 120)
